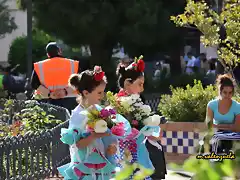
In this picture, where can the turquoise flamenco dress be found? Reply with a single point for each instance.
(88, 163)
(135, 143)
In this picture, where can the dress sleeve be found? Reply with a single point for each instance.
(237, 109)
(212, 105)
(78, 119)
(70, 136)
(76, 129)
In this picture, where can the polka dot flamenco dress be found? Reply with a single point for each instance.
(130, 145)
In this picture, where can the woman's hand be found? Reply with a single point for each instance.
(112, 149)
(225, 127)
(53, 95)
(82, 143)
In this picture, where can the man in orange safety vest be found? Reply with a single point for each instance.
(50, 78)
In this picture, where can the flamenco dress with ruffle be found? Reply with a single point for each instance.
(90, 163)
(135, 146)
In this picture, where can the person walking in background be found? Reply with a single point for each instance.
(190, 60)
(210, 76)
(157, 72)
(13, 83)
(50, 78)
(204, 63)
(212, 68)
(198, 63)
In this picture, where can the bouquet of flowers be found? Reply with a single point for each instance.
(100, 121)
(132, 107)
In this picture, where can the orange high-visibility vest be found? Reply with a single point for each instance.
(54, 73)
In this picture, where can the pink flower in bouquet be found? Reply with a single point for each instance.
(133, 134)
(112, 111)
(118, 129)
(135, 122)
(104, 113)
(90, 129)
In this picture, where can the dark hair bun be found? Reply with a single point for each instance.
(74, 80)
(85, 81)
(121, 70)
(225, 80)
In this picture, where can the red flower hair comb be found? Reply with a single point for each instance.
(139, 64)
(98, 73)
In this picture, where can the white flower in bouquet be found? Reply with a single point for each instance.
(153, 120)
(131, 108)
(138, 116)
(138, 104)
(100, 126)
(126, 100)
(135, 97)
(146, 109)
(125, 105)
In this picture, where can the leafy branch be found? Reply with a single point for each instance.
(211, 24)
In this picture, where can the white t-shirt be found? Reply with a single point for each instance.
(157, 73)
(190, 65)
(211, 72)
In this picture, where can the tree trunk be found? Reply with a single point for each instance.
(101, 54)
(175, 62)
(177, 44)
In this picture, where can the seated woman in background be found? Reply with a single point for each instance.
(224, 112)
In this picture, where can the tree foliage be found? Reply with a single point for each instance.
(7, 23)
(218, 29)
(102, 24)
(18, 49)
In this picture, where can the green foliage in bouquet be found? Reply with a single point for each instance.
(104, 114)
(112, 99)
(93, 116)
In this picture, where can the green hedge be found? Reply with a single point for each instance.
(18, 49)
(187, 105)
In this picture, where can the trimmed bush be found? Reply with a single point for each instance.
(18, 49)
(187, 105)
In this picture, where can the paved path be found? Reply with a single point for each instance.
(170, 176)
